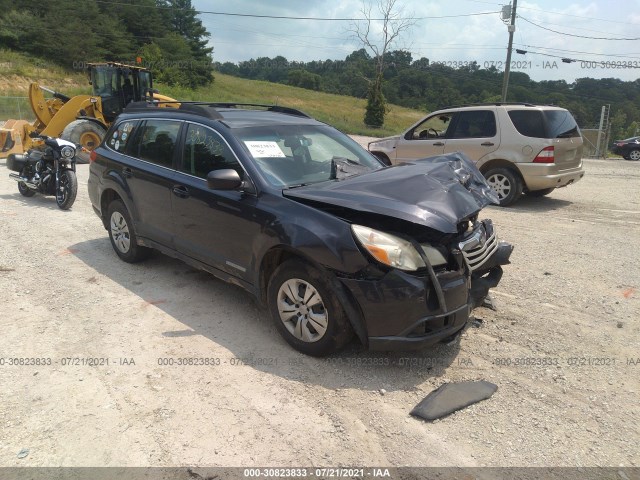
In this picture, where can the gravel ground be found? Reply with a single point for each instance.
(563, 348)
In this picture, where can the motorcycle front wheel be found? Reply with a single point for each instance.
(67, 189)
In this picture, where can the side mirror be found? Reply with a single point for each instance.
(225, 179)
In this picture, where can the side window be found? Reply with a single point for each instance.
(475, 124)
(528, 122)
(155, 141)
(122, 135)
(204, 151)
(432, 127)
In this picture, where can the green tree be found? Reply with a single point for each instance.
(392, 26)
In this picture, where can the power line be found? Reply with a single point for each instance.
(627, 64)
(286, 17)
(578, 16)
(573, 35)
(629, 55)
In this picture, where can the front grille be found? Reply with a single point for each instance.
(477, 249)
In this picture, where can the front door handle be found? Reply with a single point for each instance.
(487, 144)
(127, 172)
(181, 191)
(438, 144)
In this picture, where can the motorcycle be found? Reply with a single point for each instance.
(51, 171)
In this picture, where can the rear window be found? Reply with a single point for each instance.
(544, 124)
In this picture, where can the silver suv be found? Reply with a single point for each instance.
(518, 147)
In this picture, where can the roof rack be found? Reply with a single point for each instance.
(210, 109)
(497, 104)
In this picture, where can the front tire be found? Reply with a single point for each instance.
(634, 155)
(506, 183)
(86, 133)
(67, 189)
(123, 237)
(306, 311)
(382, 157)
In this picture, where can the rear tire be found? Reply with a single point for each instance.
(634, 155)
(123, 237)
(306, 311)
(506, 183)
(86, 133)
(540, 193)
(67, 189)
(24, 190)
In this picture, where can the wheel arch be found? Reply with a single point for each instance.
(501, 163)
(279, 254)
(382, 156)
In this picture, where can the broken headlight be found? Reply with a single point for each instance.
(388, 249)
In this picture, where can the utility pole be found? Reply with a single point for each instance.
(507, 68)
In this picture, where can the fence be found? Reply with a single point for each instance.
(17, 108)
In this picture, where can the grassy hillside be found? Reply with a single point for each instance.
(345, 113)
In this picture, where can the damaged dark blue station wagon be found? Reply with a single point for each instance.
(297, 213)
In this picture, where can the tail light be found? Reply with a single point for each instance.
(92, 156)
(546, 155)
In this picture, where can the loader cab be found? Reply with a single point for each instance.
(117, 85)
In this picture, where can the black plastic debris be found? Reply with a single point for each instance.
(450, 397)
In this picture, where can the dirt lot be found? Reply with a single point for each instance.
(562, 347)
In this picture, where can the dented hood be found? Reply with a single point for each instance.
(438, 192)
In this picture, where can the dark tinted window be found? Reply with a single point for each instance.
(122, 135)
(544, 124)
(475, 124)
(156, 141)
(529, 123)
(204, 151)
(560, 124)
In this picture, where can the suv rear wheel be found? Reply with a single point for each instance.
(634, 155)
(506, 183)
(306, 311)
(123, 238)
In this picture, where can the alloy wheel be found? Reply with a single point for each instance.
(120, 232)
(302, 310)
(500, 184)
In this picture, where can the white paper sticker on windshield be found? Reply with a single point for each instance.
(265, 149)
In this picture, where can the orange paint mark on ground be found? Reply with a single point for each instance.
(628, 293)
(68, 251)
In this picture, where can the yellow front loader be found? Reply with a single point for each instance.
(82, 119)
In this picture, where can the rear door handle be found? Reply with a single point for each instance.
(438, 144)
(127, 172)
(181, 191)
(487, 144)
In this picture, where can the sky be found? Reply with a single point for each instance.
(480, 38)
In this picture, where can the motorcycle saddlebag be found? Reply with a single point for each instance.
(16, 162)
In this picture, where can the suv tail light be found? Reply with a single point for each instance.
(92, 156)
(546, 155)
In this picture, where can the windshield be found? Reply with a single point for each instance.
(104, 81)
(296, 155)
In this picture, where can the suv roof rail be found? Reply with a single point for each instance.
(199, 107)
(497, 104)
(270, 108)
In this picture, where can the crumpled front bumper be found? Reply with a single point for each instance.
(403, 311)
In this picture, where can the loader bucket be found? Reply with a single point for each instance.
(12, 137)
